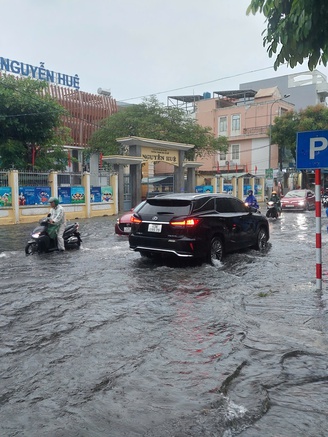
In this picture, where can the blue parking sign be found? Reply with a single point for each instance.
(312, 150)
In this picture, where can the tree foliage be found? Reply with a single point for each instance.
(31, 126)
(296, 30)
(286, 127)
(152, 119)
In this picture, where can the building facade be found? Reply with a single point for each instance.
(245, 118)
(308, 88)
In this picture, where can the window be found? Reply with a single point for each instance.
(222, 156)
(224, 205)
(238, 205)
(204, 205)
(223, 126)
(235, 124)
(235, 152)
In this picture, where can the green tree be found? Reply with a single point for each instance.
(152, 119)
(285, 128)
(283, 133)
(31, 128)
(296, 30)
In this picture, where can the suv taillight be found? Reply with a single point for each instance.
(185, 223)
(135, 220)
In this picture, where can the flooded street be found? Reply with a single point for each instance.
(99, 342)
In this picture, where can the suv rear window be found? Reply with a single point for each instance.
(166, 206)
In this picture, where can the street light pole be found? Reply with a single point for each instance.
(270, 132)
(270, 128)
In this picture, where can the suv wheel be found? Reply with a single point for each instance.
(216, 250)
(262, 240)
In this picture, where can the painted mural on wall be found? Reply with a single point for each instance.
(77, 195)
(34, 195)
(68, 195)
(101, 194)
(106, 194)
(72, 195)
(5, 196)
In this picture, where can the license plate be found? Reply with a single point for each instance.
(127, 228)
(289, 206)
(154, 228)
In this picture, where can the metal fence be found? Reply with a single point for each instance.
(41, 179)
(33, 179)
(104, 177)
(4, 179)
(69, 179)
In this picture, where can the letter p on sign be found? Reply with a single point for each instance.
(316, 145)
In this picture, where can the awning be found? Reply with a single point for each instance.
(155, 144)
(155, 180)
(236, 175)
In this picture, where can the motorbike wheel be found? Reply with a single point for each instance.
(216, 250)
(31, 248)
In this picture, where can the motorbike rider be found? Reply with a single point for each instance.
(251, 200)
(276, 200)
(57, 217)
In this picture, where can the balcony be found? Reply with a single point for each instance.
(259, 130)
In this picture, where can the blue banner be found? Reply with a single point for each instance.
(95, 194)
(228, 188)
(64, 194)
(34, 195)
(204, 189)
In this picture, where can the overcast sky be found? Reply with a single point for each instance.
(137, 48)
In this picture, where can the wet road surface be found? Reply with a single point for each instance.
(100, 342)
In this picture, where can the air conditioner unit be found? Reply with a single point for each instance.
(227, 162)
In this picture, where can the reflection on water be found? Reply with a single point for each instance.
(100, 342)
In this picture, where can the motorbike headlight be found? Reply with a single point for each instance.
(36, 235)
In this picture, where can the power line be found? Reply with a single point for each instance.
(198, 84)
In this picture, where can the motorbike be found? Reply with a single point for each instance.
(253, 204)
(324, 200)
(42, 242)
(272, 210)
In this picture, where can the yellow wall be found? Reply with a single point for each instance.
(33, 213)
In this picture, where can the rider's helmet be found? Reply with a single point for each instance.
(54, 199)
(274, 192)
(250, 192)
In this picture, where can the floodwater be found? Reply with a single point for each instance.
(99, 342)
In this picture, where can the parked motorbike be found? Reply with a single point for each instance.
(272, 210)
(42, 242)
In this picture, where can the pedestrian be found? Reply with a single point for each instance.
(57, 217)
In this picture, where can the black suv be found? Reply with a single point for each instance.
(204, 226)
